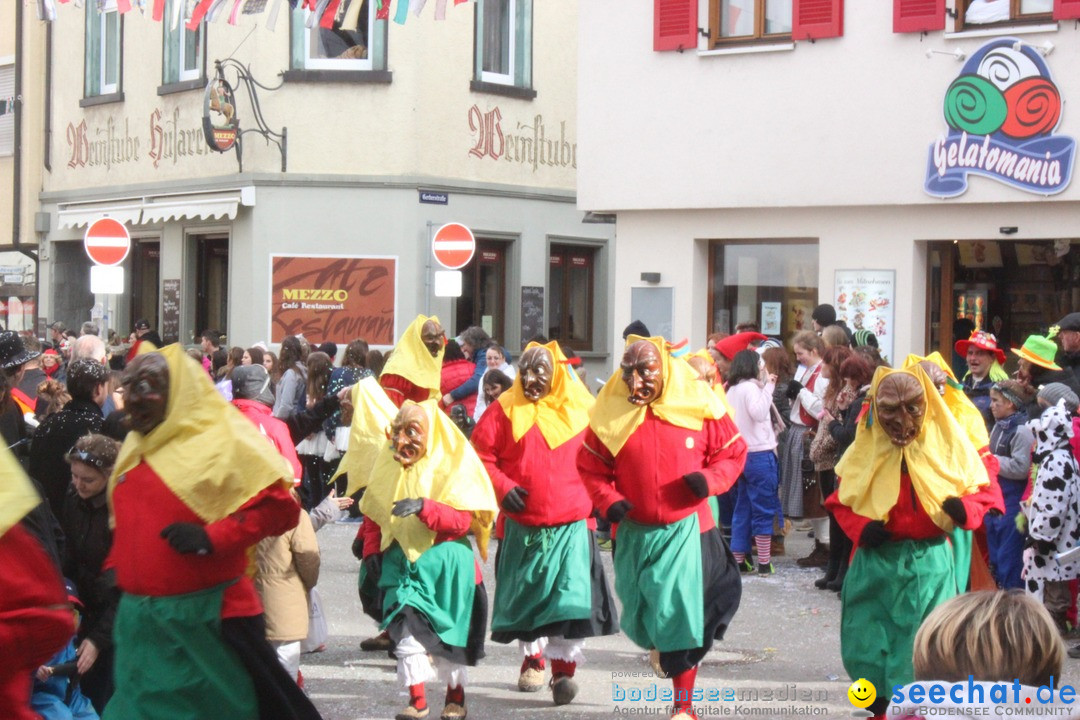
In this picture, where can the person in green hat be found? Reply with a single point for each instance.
(1037, 366)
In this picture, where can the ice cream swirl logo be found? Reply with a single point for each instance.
(1002, 111)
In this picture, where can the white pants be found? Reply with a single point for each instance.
(821, 529)
(555, 648)
(414, 667)
(289, 656)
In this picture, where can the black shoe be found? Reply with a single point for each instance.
(837, 583)
(1074, 652)
(822, 582)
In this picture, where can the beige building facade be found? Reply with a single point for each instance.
(386, 133)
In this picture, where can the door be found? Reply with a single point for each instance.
(483, 290)
(145, 282)
(212, 284)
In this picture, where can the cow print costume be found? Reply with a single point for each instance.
(1054, 510)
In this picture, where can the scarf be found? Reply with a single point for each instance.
(561, 414)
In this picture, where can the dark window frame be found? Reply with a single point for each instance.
(471, 273)
(564, 250)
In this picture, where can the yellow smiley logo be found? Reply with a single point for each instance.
(861, 693)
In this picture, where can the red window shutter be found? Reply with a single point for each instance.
(918, 15)
(674, 24)
(1066, 9)
(817, 19)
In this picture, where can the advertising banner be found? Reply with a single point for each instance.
(333, 298)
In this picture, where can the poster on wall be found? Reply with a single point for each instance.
(864, 300)
(170, 310)
(770, 318)
(333, 298)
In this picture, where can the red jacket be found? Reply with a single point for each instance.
(648, 471)
(146, 564)
(454, 374)
(35, 618)
(398, 389)
(557, 495)
(275, 430)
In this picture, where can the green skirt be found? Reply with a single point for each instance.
(171, 662)
(440, 585)
(542, 576)
(888, 592)
(658, 578)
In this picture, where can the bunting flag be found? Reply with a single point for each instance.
(235, 11)
(158, 13)
(330, 15)
(417, 6)
(123, 6)
(402, 12)
(271, 20)
(198, 14)
(254, 7)
(383, 13)
(440, 9)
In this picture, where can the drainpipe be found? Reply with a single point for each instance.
(16, 195)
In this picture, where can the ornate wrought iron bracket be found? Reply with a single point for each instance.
(219, 96)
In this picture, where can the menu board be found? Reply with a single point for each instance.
(864, 300)
(170, 311)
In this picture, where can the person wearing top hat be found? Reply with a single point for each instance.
(984, 360)
(1037, 366)
(142, 334)
(1067, 333)
(13, 358)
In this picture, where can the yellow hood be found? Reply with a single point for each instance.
(959, 404)
(941, 461)
(211, 456)
(685, 401)
(17, 494)
(372, 414)
(411, 359)
(450, 472)
(561, 414)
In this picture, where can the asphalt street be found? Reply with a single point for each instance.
(780, 658)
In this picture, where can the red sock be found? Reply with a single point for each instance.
(563, 667)
(455, 695)
(684, 690)
(533, 661)
(417, 698)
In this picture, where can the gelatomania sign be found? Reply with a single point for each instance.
(1002, 112)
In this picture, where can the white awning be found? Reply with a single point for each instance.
(75, 215)
(159, 208)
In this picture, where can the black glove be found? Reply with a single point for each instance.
(954, 508)
(514, 501)
(373, 566)
(874, 534)
(358, 548)
(793, 389)
(618, 511)
(994, 512)
(697, 484)
(407, 507)
(188, 539)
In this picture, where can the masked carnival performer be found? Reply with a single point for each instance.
(36, 619)
(551, 591)
(660, 442)
(428, 489)
(194, 489)
(910, 477)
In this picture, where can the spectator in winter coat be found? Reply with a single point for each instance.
(85, 520)
(290, 389)
(88, 386)
(1011, 441)
(456, 369)
(474, 343)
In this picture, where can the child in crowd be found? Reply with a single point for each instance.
(1053, 514)
(1011, 442)
(979, 640)
(56, 696)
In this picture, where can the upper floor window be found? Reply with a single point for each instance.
(104, 54)
(7, 109)
(986, 12)
(750, 20)
(350, 38)
(504, 42)
(183, 51)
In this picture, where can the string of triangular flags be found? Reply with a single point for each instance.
(343, 14)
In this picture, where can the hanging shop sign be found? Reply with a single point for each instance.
(331, 298)
(864, 300)
(220, 124)
(1002, 113)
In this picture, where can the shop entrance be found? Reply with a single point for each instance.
(483, 290)
(1010, 288)
(145, 281)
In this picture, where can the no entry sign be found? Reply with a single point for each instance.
(107, 241)
(453, 245)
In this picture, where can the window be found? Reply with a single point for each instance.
(184, 51)
(973, 13)
(570, 285)
(750, 20)
(7, 109)
(771, 284)
(104, 35)
(349, 39)
(504, 43)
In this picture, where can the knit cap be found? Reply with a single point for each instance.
(1055, 392)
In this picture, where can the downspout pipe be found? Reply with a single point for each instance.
(16, 195)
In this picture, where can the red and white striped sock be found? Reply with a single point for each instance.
(764, 548)
(739, 557)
